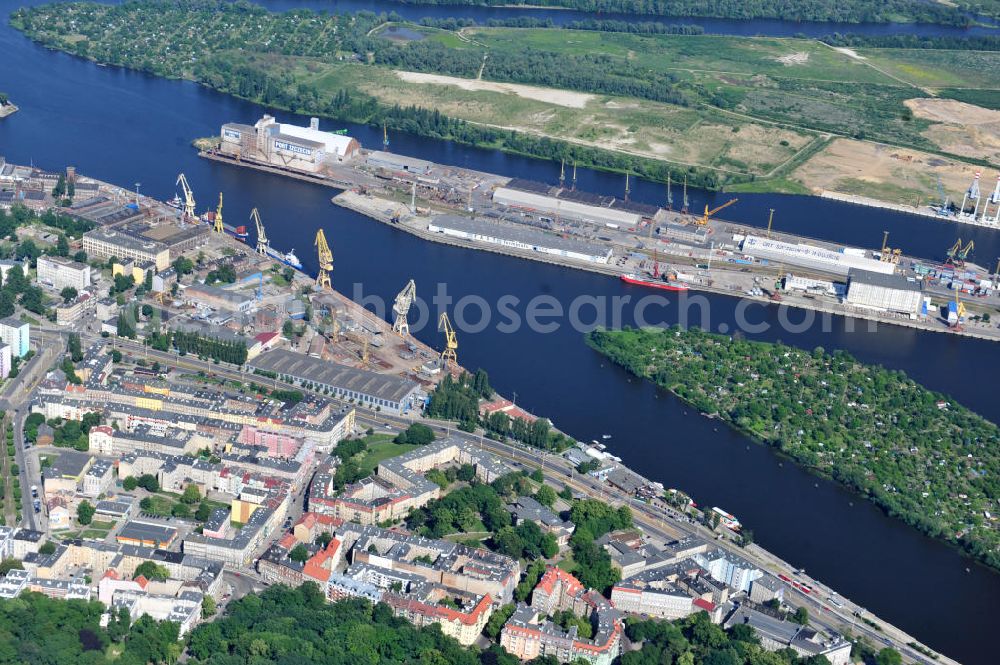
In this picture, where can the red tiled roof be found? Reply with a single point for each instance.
(706, 605)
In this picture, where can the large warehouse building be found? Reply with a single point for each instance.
(520, 238)
(564, 209)
(891, 293)
(390, 394)
(810, 256)
(282, 144)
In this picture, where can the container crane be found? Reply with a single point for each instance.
(218, 228)
(450, 339)
(401, 308)
(262, 241)
(702, 221)
(188, 196)
(325, 261)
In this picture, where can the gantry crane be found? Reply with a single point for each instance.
(188, 196)
(888, 254)
(218, 228)
(262, 242)
(325, 261)
(401, 307)
(702, 221)
(450, 352)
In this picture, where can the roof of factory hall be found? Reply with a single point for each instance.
(379, 386)
(524, 235)
(897, 282)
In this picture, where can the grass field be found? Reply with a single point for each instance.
(381, 447)
(938, 69)
(686, 136)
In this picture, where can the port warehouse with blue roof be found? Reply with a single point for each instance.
(520, 238)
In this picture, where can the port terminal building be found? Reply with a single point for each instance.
(494, 233)
(282, 144)
(817, 258)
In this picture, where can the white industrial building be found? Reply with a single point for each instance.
(58, 272)
(401, 163)
(815, 286)
(520, 238)
(810, 256)
(282, 144)
(889, 293)
(565, 209)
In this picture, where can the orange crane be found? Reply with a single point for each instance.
(702, 221)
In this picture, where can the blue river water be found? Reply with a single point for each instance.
(131, 128)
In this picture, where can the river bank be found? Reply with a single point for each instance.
(801, 403)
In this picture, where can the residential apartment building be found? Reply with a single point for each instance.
(15, 334)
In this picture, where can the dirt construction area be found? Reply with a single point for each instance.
(960, 129)
(574, 100)
(883, 172)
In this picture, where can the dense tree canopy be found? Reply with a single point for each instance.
(914, 452)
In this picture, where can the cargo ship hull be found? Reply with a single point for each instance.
(654, 283)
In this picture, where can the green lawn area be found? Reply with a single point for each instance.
(381, 447)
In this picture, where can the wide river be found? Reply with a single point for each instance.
(130, 128)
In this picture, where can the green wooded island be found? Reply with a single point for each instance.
(915, 453)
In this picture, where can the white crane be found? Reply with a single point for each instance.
(401, 308)
(262, 241)
(188, 196)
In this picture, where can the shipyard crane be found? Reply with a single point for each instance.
(670, 194)
(450, 339)
(262, 242)
(702, 221)
(684, 207)
(401, 308)
(188, 196)
(325, 261)
(888, 254)
(218, 228)
(958, 253)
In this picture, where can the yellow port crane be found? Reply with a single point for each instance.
(958, 253)
(262, 241)
(188, 196)
(702, 221)
(218, 228)
(450, 352)
(325, 261)
(888, 254)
